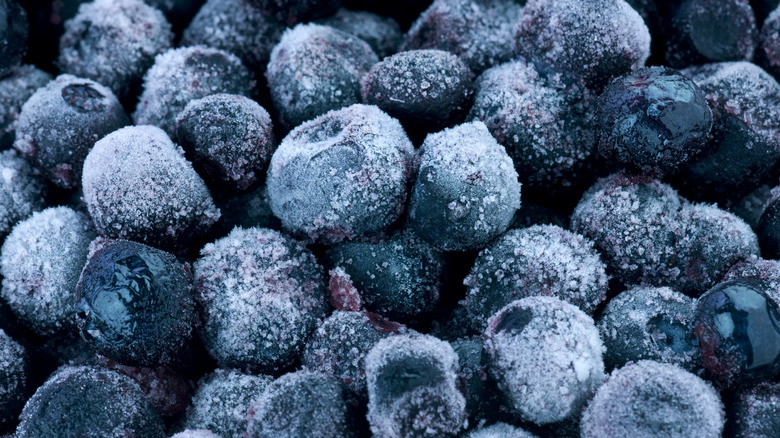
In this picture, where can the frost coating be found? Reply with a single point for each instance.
(15, 88)
(138, 186)
(499, 430)
(262, 295)
(757, 411)
(650, 399)
(114, 42)
(539, 260)
(466, 191)
(546, 357)
(21, 192)
(341, 175)
(40, 262)
(315, 69)
(222, 400)
(412, 388)
(14, 376)
(383, 34)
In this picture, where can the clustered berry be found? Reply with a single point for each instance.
(390, 218)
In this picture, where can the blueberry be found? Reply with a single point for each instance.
(76, 113)
(466, 191)
(21, 191)
(483, 401)
(756, 412)
(648, 399)
(290, 12)
(114, 43)
(14, 380)
(545, 355)
(15, 89)
(767, 53)
(14, 30)
(383, 34)
(737, 323)
(653, 117)
(89, 402)
(135, 303)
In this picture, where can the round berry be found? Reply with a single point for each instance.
(21, 191)
(15, 89)
(14, 30)
(135, 303)
(383, 34)
(767, 53)
(482, 396)
(756, 411)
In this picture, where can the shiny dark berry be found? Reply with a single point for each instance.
(135, 303)
(653, 117)
(14, 30)
(737, 324)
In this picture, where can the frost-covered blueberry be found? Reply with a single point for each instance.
(290, 12)
(539, 260)
(342, 175)
(302, 404)
(61, 122)
(546, 356)
(653, 117)
(584, 41)
(652, 399)
(768, 228)
(235, 26)
(399, 278)
(711, 30)
(767, 53)
(181, 75)
(425, 89)
(499, 430)
(633, 221)
(649, 323)
(339, 346)
(262, 295)
(15, 89)
(483, 400)
(114, 42)
(229, 138)
(14, 30)
(14, 380)
(315, 69)
(21, 191)
(89, 402)
(138, 186)
(135, 303)
(383, 34)
(745, 145)
(756, 412)
(737, 323)
(479, 32)
(40, 262)
(466, 191)
(412, 388)
(546, 128)
(222, 400)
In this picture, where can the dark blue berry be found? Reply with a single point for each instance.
(382, 33)
(767, 53)
(14, 30)
(15, 89)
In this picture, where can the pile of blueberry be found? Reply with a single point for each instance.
(354, 218)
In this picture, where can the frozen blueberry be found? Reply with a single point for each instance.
(767, 229)
(540, 260)
(546, 127)
(399, 278)
(235, 26)
(756, 412)
(114, 42)
(649, 323)
(425, 89)
(342, 175)
(228, 137)
(711, 30)
(290, 12)
(412, 388)
(339, 346)
(89, 402)
(222, 400)
(767, 53)
(499, 430)
(383, 34)
(653, 117)
(74, 114)
(745, 145)
(546, 357)
(302, 404)
(737, 323)
(483, 401)
(315, 69)
(262, 294)
(653, 399)
(40, 262)
(589, 41)
(633, 221)
(184, 74)
(479, 32)
(14, 30)
(21, 191)
(135, 303)
(466, 191)
(138, 186)
(15, 89)
(14, 380)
